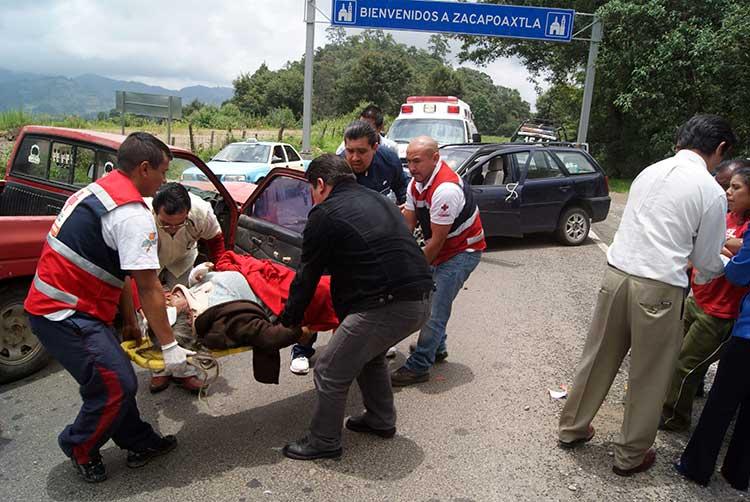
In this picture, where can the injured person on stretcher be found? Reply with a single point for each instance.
(234, 305)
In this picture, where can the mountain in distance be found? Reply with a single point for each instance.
(86, 95)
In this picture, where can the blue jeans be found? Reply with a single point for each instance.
(449, 278)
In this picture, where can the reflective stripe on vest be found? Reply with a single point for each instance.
(83, 263)
(54, 293)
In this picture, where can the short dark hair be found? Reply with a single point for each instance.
(361, 129)
(139, 147)
(733, 163)
(705, 133)
(331, 168)
(173, 197)
(374, 113)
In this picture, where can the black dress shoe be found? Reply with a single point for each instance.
(161, 447)
(357, 424)
(404, 376)
(303, 450)
(92, 472)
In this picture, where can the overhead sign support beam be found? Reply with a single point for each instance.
(588, 85)
(308, 87)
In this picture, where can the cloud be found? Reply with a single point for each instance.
(173, 43)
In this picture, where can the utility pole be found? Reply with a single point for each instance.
(307, 103)
(588, 86)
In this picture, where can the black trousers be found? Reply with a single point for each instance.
(731, 390)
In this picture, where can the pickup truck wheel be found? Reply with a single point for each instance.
(21, 353)
(574, 226)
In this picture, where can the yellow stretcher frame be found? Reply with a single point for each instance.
(147, 356)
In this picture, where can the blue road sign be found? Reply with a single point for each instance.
(535, 23)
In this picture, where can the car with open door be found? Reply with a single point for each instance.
(528, 188)
(48, 164)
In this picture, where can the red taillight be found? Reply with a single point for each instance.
(606, 183)
(453, 109)
(432, 99)
(407, 108)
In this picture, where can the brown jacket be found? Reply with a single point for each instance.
(244, 323)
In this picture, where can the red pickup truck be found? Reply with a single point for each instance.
(48, 164)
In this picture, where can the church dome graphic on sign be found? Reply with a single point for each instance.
(558, 27)
(345, 12)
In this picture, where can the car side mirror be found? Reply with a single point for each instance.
(476, 138)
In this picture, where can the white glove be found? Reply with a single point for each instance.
(199, 273)
(175, 357)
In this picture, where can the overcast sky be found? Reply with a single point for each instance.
(175, 43)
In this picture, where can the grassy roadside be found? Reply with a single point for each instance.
(620, 185)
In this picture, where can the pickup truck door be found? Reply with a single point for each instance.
(494, 183)
(271, 221)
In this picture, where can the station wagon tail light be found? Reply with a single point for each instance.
(606, 183)
(407, 108)
(453, 109)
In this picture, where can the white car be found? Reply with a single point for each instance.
(248, 161)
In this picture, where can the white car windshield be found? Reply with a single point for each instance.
(243, 153)
(444, 131)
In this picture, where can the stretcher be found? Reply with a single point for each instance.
(145, 355)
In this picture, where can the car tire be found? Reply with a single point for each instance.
(573, 227)
(21, 353)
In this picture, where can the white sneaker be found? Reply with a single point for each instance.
(391, 353)
(300, 366)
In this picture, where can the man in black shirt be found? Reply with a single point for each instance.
(380, 286)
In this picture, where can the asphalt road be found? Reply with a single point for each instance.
(482, 429)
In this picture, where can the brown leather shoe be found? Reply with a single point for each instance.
(569, 445)
(191, 383)
(648, 461)
(158, 383)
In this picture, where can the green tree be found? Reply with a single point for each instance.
(660, 62)
(282, 118)
(190, 108)
(443, 81)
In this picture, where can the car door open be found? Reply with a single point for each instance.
(271, 221)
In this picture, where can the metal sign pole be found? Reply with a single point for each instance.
(588, 86)
(307, 104)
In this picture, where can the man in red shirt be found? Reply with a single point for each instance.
(443, 205)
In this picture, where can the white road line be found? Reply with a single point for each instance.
(598, 241)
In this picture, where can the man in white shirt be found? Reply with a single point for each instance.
(183, 220)
(103, 234)
(675, 214)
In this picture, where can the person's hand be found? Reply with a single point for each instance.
(131, 332)
(733, 246)
(199, 273)
(175, 357)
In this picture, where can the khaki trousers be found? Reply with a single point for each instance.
(643, 316)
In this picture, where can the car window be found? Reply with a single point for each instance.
(278, 155)
(291, 154)
(32, 158)
(443, 131)
(243, 152)
(494, 171)
(541, 165)
(105, 163)
(61, 162)
(84, 166)
(575, 162)
(455, 157)
(285, 202)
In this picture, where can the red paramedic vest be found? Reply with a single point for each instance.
(77, 270)
(466, 232)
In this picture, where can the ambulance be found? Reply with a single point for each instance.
(447, 119)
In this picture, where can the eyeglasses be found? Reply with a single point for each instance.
(167, 227)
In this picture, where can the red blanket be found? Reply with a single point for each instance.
(271, 281)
